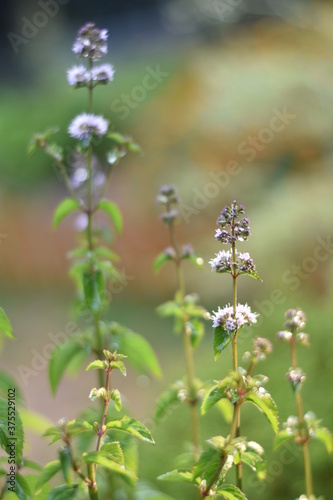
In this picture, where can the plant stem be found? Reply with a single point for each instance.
(304, 434)
(105, 410)
(93, 491)
(239, 472)
(233, 431)
(189, 362)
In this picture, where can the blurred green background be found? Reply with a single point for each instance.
(223, 71)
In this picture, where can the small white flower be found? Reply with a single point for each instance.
(78, 76)
(103, 73)
(225, 317)
(84, 126)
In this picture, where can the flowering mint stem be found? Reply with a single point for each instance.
(304, 434)
(187, 348)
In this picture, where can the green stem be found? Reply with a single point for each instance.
(189, 362)
(93, 491)
(239, 472)
(233, 432)
(105, 410)
(304, 434)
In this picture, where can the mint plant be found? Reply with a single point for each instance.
(303, 427)
(189, 319)
(92, 444)
(240, 385)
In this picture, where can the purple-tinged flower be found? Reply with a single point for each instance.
(102, 74)
(226, 319)
(91, 42)
(78, 76)
(84, 126)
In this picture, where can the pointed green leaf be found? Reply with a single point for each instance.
(161, 259)
(133, 427)
(5, 326)
(114, 451)
(8, 382)
(170, 308)
(207, 465)
(168, 401)
(116, 137)
(133, 147)
(63, 492)
(66, 207)
(116, 398)
(105, 460)
(118, 365)
(178, 476)
(8, 434)
(231, 492)
(252, 274)
(60, 358)
(50, 470)
(282, 437)
(113, 212)
(98, 364)
(22, 487)
(325, 436)
(139, 352)
(66, 465)
(78, 426)
(93, 288)
(265, 403)
(221, 340)
(215, 394)
(197, 330)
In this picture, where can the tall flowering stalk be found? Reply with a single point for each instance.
(93, 268)
(188, 319)
(240, 385)
(304, 427)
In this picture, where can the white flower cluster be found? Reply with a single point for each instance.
(226, 319)
(223, 262)
(85, 125)
(80, 76)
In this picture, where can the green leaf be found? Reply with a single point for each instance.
(8, 382)
(133, 427)
(98, 364)
(207, 465)
(325, 436)
(9, 435)
(113, 212)
(252, 274)
(116, 398)
(93, 288)
(22, 487)
(161, 259)
(118, 365)
(5, 326)
(60, 358)
(53, 432)
(197, 330)
(66, 207)
(283, 437)
(265, 403)
(168, 401)
(139, 352)
(170, 308)
(178, 476)
(116, 137)
(133, 147)
(105, 460)
(30, 464)
(50, 470)
(66, 465)
(221, 340)
(215, 394)
(63, 492)
(114, 451)
(78, 426)
(226, 408)
(231, 492)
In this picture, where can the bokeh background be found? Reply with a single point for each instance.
(223, 71)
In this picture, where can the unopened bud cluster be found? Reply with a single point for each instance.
(295, 323)
(231, 229)
(168, 197)
(296, 377)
